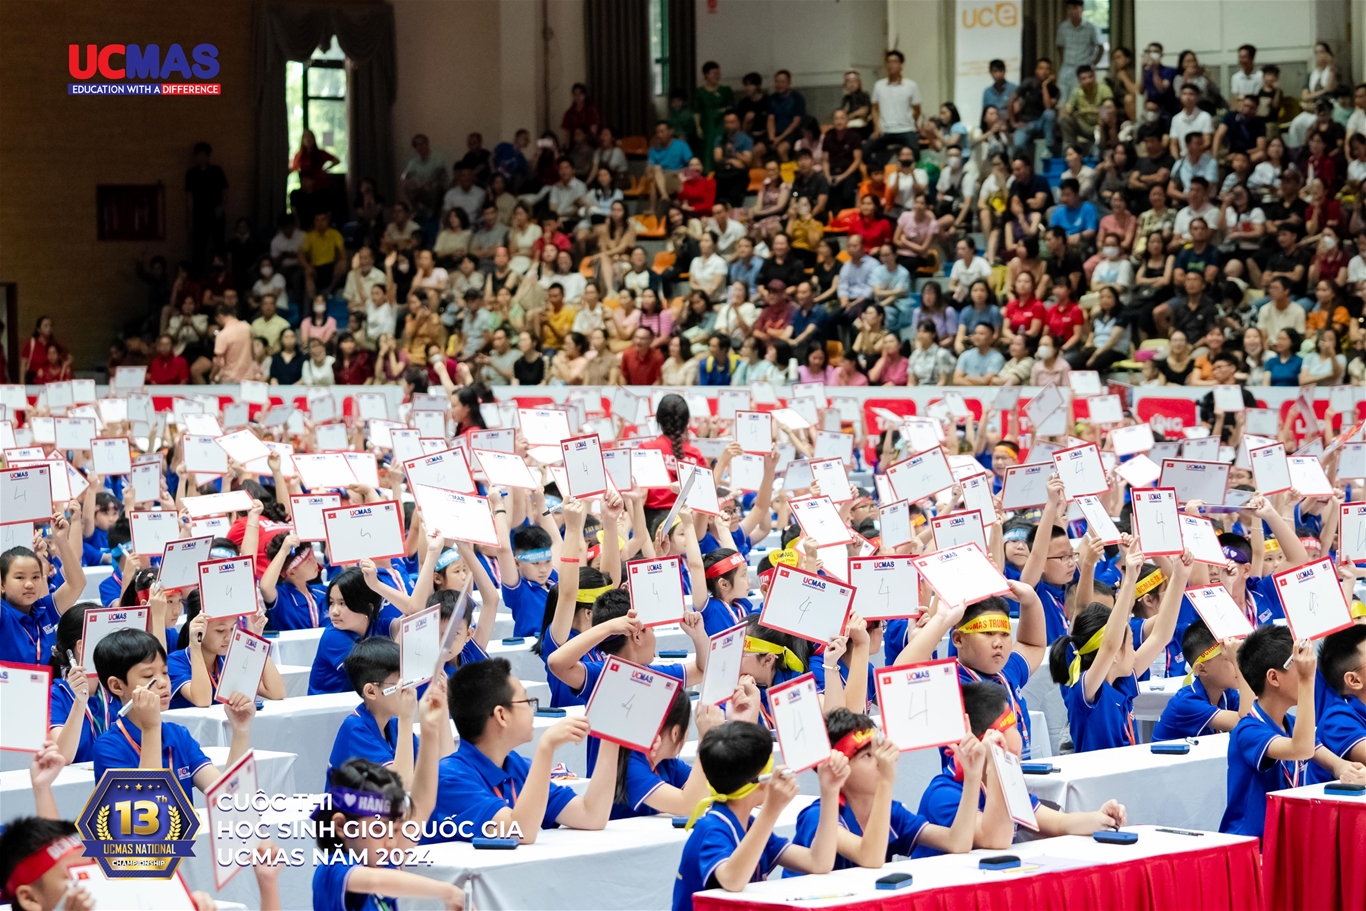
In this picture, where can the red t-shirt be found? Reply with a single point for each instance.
(1020, 315)
(361, 369)
(168, 371)
(698, 193)
(1062, 320)
(266, 530)
(637, 370)
(875, 233)
(662, 497)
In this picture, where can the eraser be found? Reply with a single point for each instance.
(514, 640)
(673, 653)
(1111, 837)
(1037, 768)
(999, 862)
(1172, 748)
(895, 881)
(495, 844)
(549, 712)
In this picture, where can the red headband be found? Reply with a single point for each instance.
(297, 560)
(35, 866)
(723, 566)
(854, 741)
(144, 595)
(1311, 542)
(594, 551)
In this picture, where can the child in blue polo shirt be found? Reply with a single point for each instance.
(658, 781)
(1342, 658)
(79, 708)
(196, 668)
(28, 613)
(731, 845)
(131, 665)
(353, 612)
(292, 599)
(524, 563)
(1249, 582)
(874, 828)
(1215, 695)
(357, 876)
(723, 601)
(99, 511)
(990, 715)
(373, 731)
(1096, 662)
(1271, 749)
(486, 786)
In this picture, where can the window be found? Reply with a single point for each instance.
(659, 45)
(315, 99)
(1097, 12)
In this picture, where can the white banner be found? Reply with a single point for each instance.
(984, 30)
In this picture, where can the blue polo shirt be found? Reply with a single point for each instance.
(1106, 723)
(180, 669)
(718, 616)
(1075, 221)
(329, 891)
(786, 108)
(1189, 712)
(1343, 725)
(101, 711)
(1013, 676)
(328, 675)
(740, 272)
(1265, 601)
(1054, 612)
(111, 589)
(470, 787)
(901, 838)
(593, 673)
(28, 637)
(818, 317)
(642, 781)
(360, 737)
(95, 548)
(1000, 100)
(561, 693)
(939, 805)
(526, 600)
(292, 609)
(713, 840)
(818, 672)
(1252, 774)
(120, 747)
(673, 157)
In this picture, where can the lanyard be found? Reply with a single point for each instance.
(137, 747)
(512, 788)
(1015, 705)
(1291, 770)
(99, 724)
(38, 641)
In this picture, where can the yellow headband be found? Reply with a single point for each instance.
(717, 797)
(1358, 610)
(1151, 582)
(1214, 651)
(1271, 545)
(764, 647)
(987, 623)
(589, 595)
(1092, 644)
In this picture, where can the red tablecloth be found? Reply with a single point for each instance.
(1315, 854)
(1216, 879)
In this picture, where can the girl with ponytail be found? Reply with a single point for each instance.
(672, 416)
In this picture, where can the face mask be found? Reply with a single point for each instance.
(1045, 353)
(403, 267)
(1329, 243)
(267, 271)
(1150, 116)
(1111, 252)
(320, 310)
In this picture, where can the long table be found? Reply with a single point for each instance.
(1187, 791)
(1159, 872)
(1315, 850)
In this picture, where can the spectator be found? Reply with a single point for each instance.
(825, 276)
(530, 368)
(287, 364)
(804, 231)
(896, 112)
(774, 322)
(477, 159)
(610, 156)
(423, 179)
(1198, 256)
(421, 327)
(1033, 112)
(786, 110)
(711, 102)
(1024, 313)
(816, 370)
(496, 368)
(1107, 338)
(843, 147)
(1081, 45)
(967, 269)
(1285, 366)
(581, 114)
(402, 233)
(1081, 113)
(667, 158)
(205, 184)
(317, 369)
(771, 204)
(466, 278)
(981, 308)
(728, 231)
(1246, 80)
(1241, 130)
(782, 266)
(488, 237)
(892, 369)
(642, 363)
(55, 368)
(569, 363)
(1321, 82)
(318, 324)
(891, 284)
(697, 194)
(1063, 319)
(1018, 367)
(1075, 216)
(166, 367)
(1195, 163)
(1113, 269)
(354, 366)
(637, 276)
(719, 365)
(856, 286)
(1064, 261)
(1288, 263)
(1190, 119)
(811, 185)
(870, 224)
(269, 324)
(1049, 368)
(752, 106)
(929, 364)
(811, 324)
(34, 353)
(232, 358)
(591, 314)
(867, 345)
(732, 157)
(655, 317)
(320, 252)
(464, 194)
(935, 310)
(735, 318)
(914, 236)
(982, 361)
(566, 197)
(1281, 311)
(998, 94)
(707, 271)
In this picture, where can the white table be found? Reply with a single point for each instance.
(94, 575)
(629, 865)
(850, 888)
(75, 783)
(295, 646)
(573, 755)
(1153, 696)
(1187, 791)
(295, 677)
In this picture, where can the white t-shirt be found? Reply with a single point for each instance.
(966, 274)
(1243, 84)
(725, 240)
(1199, 122)
(896, 105)
(706, 271)
(471, 200)
(1356, 270)
(1244, 222)
(275, 286)
(1210, 213)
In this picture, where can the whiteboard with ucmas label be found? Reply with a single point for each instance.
(365, 466)
(324, 470)
(1204, 481)
(701, 494)
(372, 406)
(373, 531)
(544, 426)
(1105, 409)
(1313, 600)
(419, 646)
(1081, 471)
(74, 433)
(307, 511)
(584, 472)
(1131, 440)
(955, 528)
(15, 534)
(806, 605)
(99, 623)
(494, 440)
(799, 723)
(226, 588)
(406, 444)
(217, 504)
(754, 431)
(462, 516)
(1098, 521)
(244, 446)
(747, 472)
(1010, 774)
(203, 455)
(1084, 383)
(215, 526)
(504, 470)
(1026, 486)
(1216, 607)
(922, 704)
(629, 703)
(111, 456)
(153, 529)
(1352, 531)
(833, 479)
(1307, 477)
(25, 706)
(1204, 449)
(239, 784)
(921, 476)
(730, 402)
(430, 425)
(894, 521)
(977, 495)
(885, 587)
(26, 495)
(112, 411)
(243, 665)
(961, 575)
(1201, 538)
(169, 894)
(446, 470)
(820, 519)
(1262, 421)
(180, 562)
(656, 588)
(723, 665)
(648, 469)
(1047, 411)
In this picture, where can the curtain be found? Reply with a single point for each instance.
(1122, 25)
(618, 45)
(287, 32)
(682, 46)
(1039, 32)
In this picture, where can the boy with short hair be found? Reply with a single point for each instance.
(131, 664)
(731, 846)
(1270, 749)
(486, 782)
(373, 730)
(1215, 696)
(989, 710)
(525, 556)
(1342, 658)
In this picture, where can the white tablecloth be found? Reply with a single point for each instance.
(75, 783)
(1187, 791)
(295, 677)
(94, 575)
(629, 865)
(844, 888)
(1153, 696)
(295, 646)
